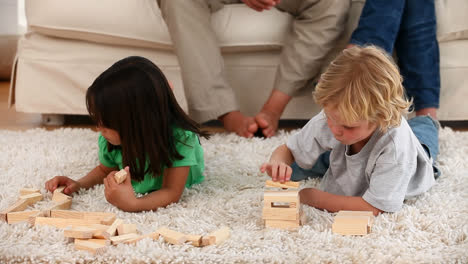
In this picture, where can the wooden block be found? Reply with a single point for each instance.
(60, 189)
(278, 213)
(82, 215)
(79, 232)
(217, 237)
(103, 242)
(19, 205)
(26, 191)
(120, 176)
(282, 224)
(153, 236)
(108, 220)
(289, 198)
(120, 239)
(58, 196)
(112, 229)
(92, 247)
(195, 240)
(21, 216)
(32, 197)
(352, 224)
(64, 222)
(171, 236)
(288, 184)
(126, 229)
(32, 218)
(362, 213)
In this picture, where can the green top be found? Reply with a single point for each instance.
(187, 144)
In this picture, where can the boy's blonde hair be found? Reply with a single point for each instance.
(363, 83)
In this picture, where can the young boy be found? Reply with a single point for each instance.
(370, 157)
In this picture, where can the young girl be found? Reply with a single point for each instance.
(371, 158)
(144, 130)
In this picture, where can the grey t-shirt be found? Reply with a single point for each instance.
(391, 166)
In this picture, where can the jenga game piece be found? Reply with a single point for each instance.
(103, 242)
(171, 236)
(26, 191)
(126, 229)
(353, 223)
(16, 217)
(195, 240)
(288, 184)
(92, 247)
(153, 235)
(282, 209)
(115, 240)
(112, 229)
(79, 232)
(120, 176)
(217, 237)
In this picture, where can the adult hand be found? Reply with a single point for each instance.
(120, 195)
(277, 170)
(260, 5)
(71, 185)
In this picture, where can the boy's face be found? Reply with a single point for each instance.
(110, 135)
(348, 134)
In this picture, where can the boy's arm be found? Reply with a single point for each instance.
(282, 154)
(279, 166)
(334, 203)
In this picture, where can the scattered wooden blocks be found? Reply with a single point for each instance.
(92, 247)
(282, 209)
(26, 191)
(79, 232)
(153, 236)
(21, 216)
(126, 229)
(120, 176)
(19, 205)
(103, 242)
(171, 236)
(353, 223)
(217, 237)
(195, 240)
(120, 239)
(112, 229)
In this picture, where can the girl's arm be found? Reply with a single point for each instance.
(334, 203)
(95, 176)
(123, 197)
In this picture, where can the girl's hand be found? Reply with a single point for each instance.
(277, 170)
(71, 185)
(120, 195)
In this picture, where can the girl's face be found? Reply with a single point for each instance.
(348, 134)
(110, 135)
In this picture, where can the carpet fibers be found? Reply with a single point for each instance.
(432, 228)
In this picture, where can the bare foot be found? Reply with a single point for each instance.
(432, 111)
(268, 122)
(240, 124)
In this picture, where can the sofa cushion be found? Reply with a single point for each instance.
(139, 23)
(452, 22)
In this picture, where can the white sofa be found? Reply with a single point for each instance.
(69, 43)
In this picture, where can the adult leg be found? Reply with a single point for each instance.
(418, 55)
(426, 129)
(209, 96)
(316, 27)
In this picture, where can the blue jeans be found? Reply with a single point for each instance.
(424, 128)
(409, 26)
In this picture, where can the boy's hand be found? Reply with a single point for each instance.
(71, 185)
(120, 195)
(277, 170)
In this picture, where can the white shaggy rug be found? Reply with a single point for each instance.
(432, 228)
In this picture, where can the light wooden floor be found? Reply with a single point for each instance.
(12, 120)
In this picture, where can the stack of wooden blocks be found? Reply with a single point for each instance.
(353, 223)
(282, 208)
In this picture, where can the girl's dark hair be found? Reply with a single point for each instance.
(134, 98)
